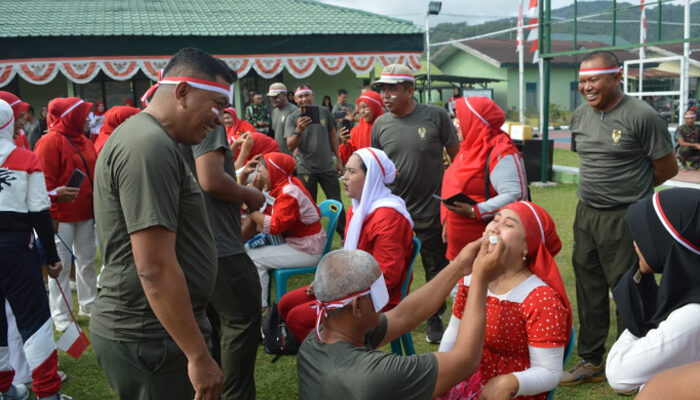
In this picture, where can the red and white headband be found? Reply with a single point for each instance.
(71, 108)
(370, 99)
(203, 84)
(15, 102)
(301, 91)
(671, 230)
(398, 76)
(378, 292)
(466, 100)
(278, 91)
(598, 71)
(537, 218)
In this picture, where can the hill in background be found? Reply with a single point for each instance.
(600, 26)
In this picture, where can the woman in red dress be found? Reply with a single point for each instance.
(528, 315)
(378, 223)
(244, 140)
(369, 106)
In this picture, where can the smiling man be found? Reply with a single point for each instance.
(414, 135)
(624, 150)
(149, 327)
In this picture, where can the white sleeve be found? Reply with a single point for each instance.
(449, 338)
(633, 361)
(546, 364)
(37, 198)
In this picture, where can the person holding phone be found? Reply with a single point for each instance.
(61, 151)
(487, 169)
(315, 143)
(369, 106)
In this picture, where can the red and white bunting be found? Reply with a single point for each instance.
(80, 71)
(83, 70)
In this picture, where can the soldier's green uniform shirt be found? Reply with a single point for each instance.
(615, 152)
(142, 181)
(342, 370)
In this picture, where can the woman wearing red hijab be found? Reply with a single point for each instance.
(528, 315)
(244, 140)
(113, 118)
(369, 106)
(18, 108)
(61, 151)
(294, 216)
(484, 144)
(96, 118)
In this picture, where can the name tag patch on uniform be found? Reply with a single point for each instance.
(323, 121)
(616, 135)
(421, 132)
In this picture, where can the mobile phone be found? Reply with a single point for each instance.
(76, 178)
(460, 197)
(311, 112)
(345, 123)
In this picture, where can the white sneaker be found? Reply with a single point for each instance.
(16, 392)
(83, 313)
(62, 324)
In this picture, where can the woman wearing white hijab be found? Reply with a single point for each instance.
(378, 223)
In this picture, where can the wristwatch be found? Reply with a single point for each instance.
(297, 133)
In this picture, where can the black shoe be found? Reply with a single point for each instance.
(434, 329)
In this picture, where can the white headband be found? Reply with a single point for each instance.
(398, 76)
(303, 91)
(598, 71)
(370, 99)
(71, 108)
(378, 292)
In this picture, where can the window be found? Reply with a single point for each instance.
(531, 96)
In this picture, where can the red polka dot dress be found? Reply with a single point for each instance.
(531, 314)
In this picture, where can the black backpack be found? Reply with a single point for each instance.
(276, 337)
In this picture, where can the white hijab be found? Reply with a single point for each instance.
(7, 128)
(381, 171)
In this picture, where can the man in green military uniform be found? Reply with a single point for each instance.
(688, 138)
(624, 151)
(148, 325)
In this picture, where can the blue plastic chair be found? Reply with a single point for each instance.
(567, 353)
(329, 209)
(406, 339)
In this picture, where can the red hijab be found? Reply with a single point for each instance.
(68, 116)
(18, 106)
(97, 112)
(280, 168)
(113, 118)
(361, 134)
(238, 127)
(542, 245)
(480, 120)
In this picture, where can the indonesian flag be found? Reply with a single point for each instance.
(532, 36)
(520, 25)
(73, 341)
(642, 30)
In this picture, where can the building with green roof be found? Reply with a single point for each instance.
(113, 49)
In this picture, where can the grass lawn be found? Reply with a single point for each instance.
(278, 381)
(565, 157)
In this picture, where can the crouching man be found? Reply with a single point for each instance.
(339, 361)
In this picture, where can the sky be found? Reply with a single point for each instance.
(471, 11)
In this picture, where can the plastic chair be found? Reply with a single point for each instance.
(406, 339)
(567, 353)
(329, 209)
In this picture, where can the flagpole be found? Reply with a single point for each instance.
(642, 40)
(521, 65)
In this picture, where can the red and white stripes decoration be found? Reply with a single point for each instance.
(83, 70)
(532, 13)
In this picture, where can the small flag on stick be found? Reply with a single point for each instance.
(74, 342)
